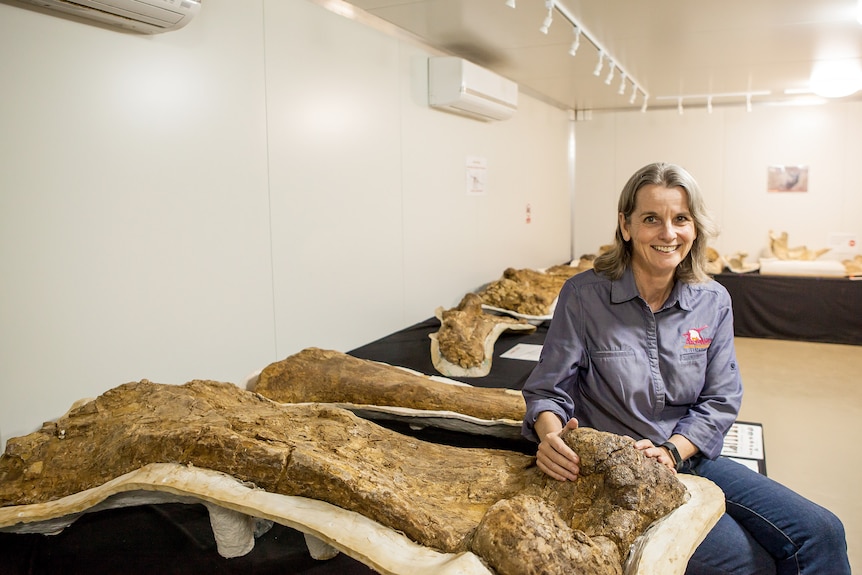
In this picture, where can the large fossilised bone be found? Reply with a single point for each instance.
(327, 528)
(328, 376)
(464, 344)
(383, 392)
(527, 291)
(435, 495)
(663, 550)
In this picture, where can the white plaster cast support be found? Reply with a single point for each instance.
(233, 531)
(319, 549)
(386, 551)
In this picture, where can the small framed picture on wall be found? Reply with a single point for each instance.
(787, 179)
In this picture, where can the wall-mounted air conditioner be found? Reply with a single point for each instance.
(145, 16)
(459, 86)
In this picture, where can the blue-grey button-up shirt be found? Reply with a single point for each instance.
(617, 366)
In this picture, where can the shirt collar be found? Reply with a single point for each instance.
(625, 289)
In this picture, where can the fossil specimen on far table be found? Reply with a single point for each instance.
(527, 291)
(464, 344)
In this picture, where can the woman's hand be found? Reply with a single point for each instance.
(554, 457)
(660, 454)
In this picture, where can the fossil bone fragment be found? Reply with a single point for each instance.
(585, 262)
(436, 495)
(527, 291)
(779, 246)
(715, 263)
(464, 344)
(736, 263)
(853, 267)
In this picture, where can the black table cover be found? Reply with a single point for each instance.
(824, 310)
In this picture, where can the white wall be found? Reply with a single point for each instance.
(729, 152)
(134, 225)
(200, 203)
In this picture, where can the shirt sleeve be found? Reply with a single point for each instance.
(550, 386)
(717, 406)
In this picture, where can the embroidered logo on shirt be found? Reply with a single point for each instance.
(695, 340)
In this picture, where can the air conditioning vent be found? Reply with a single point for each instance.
(456, 85)
(145, 16)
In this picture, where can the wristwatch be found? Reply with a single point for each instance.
(674, 454)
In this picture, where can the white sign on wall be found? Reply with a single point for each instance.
(843, 243)
(477, 176)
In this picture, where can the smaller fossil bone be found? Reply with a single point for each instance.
(737, 264)
(464, 344)
(779, 246)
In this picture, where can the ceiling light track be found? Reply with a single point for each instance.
(579, 32)
(613, 63)
(709, 98)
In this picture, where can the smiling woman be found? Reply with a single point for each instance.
(643, 346)
(661, 233)
(690, 209)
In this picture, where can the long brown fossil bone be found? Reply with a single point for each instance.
(439, 496)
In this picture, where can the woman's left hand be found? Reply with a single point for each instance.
(658, 453)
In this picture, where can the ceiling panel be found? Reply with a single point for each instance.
(673, 48)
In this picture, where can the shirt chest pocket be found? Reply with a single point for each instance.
(617, 364)
(686, 382)
(612, 354)
(696, 359)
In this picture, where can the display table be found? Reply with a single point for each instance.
(824, 310)
(411, 348)
(166, 539)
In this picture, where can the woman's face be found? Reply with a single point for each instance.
(661, 229)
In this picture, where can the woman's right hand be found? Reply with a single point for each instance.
(554, 457)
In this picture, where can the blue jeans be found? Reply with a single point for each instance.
(766, 528)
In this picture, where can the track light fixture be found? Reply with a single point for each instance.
(709, 98)
(579, 31)
(644, 106)
(576, 43)
(549, 4)
(601, 63)
(547, 23)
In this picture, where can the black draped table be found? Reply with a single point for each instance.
(411, 347)
(824, 310)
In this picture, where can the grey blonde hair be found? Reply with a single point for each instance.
(692, 269)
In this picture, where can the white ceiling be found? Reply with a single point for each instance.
(672, 48)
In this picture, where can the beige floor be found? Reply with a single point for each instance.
(808, 396)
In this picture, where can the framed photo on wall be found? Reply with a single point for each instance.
(787, 179)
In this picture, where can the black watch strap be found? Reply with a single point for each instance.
(674, 454)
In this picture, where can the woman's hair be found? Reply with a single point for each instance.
(693, 268)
